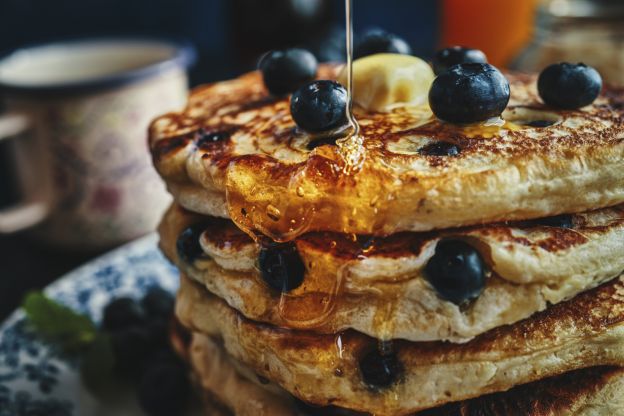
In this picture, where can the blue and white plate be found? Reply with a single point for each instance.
(35, 378)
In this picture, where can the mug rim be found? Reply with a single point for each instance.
(184, 55)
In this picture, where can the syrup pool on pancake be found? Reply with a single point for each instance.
(323, 109)
(305, 177)
(323, 112)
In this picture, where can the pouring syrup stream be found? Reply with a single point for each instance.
(290, 212)
(311, 309)
(351, 147)
(355, 128)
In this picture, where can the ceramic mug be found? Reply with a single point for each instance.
(77, 115)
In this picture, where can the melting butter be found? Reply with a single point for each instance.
(385, 80)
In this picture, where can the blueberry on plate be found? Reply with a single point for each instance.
(187, 245)
(281, 266)
(456, 271)
(158, 303)
(379, 41)
(160, 356)
(469, 93)
(130, 348)
(158, 330)
(569, 86)
(164, 389)
(123, 313)
(560, 221)
(446, 58)
(286, 70)
(380, 370)
(319, 106)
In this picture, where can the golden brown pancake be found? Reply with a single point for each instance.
(365, 220)
(377, 285)
(229, 387)
(235, 152)
(586, 331)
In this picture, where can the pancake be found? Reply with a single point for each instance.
(596, 391)
(377, 286)
(232, 384)
(235, 152)
(586, 331)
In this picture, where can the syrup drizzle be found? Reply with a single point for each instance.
(321, 300)
(355, 128)
(289, 214)
(351, 147)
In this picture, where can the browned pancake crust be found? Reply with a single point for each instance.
(377, 285)
(595, 388)
(555, 396)
(276, 185)
(323, 369)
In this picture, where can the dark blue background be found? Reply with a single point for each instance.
(229, 34)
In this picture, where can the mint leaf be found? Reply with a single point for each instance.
(58, 323)
(98, 363)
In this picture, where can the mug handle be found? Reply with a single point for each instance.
(24, 214)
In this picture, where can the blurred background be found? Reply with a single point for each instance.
(230, 35)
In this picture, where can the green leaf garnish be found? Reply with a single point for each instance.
(98, 363)
(59, 324)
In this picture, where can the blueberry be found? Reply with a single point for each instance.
(569, 86)
(123, 313)
(158, 303)
(469, 93)
(158, 330)
(331, 46)
(286, 70)
(439, 149)
(281, 266)
(130, 348)
(446, 58)
(159, 356)
(319, 106)
(539, 123)
(379, 41)
(561, 221)
(164, 389)
(188, 245)
(380, 370)
(456, 271)
(325, 141)
(207, 138)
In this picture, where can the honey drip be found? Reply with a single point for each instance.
(314, 302)
(269, 200)
(340, 341)
(282, 203)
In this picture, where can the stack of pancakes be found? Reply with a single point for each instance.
(359, 328)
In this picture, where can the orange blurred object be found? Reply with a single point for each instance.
(500, 28)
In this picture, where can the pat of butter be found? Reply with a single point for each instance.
(384, 80)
